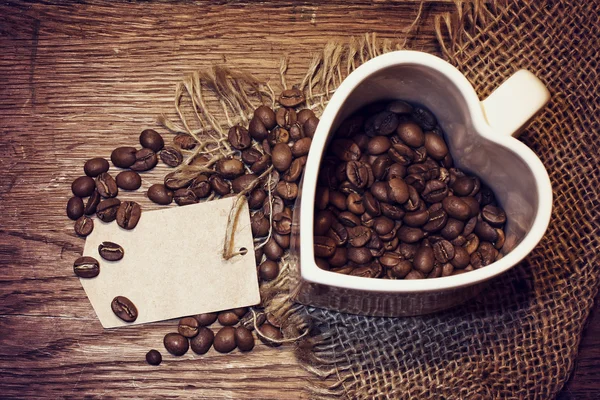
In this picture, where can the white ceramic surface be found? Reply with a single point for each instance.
(479, 137)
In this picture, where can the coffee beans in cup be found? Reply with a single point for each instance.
(390, 203)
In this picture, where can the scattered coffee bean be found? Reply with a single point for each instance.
(106, 185)
(266, 116)
(291, 98)
(239, 137)
(171, 156)
(224, 341)
(86, 267)
(92, 203)
(270, 335)
(228, 318)
(128, 214)
(153, 357)
(106, 210)
(83, 186)
(95, 166)
(184, 141)
(75, 208)
(124, 309)
(203, 341)
(145, 159)
(152, 140)
(123, 157)
(188, 327)
(244, 339)
(206, 318)
(128, 180)
(268, 270)
(230, 168)
(110, 251)
(176, 344)
(84, 226)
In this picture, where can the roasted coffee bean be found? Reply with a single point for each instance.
(397, 191)
(262, 164)
(411, 134)
(402, 269)
(359, 255)
(395, 171)
(95, 166)
(297, 131)
(203, 341)
(424, 259)
(128, 214)
(188, 327)
(359, 236)
(461, 258)
(282, 224)
(244, 339)
(382, 123)
(437, 220)
(391, 211)
(239, 137)
(84, 226)
(266, 116)
(92, 203)
(401, 154)
(283, 241)
(410, 235)
(176, 344)
(488, 252)
(463, 186)
(251, 155)
(106, 185)
(417, 181)
(145, 159)
(287, 190)
(304, 115)
(486, 232)
(453, 228)
(124, 309)
(338, 200)
(499, 243)
(372, 270)
(153, 357)
(301, 147)
(383, 226)
(338, 233)
(321, 198)
(127, 180)
(295, 170)
(339, 258)
(456, 208)
(270, 335)
(323, 246)
(281, 156)
(322, 222)
(272, 250)
(160, 194)
(443, 251)
(110, 251)
(228, 318)
(285, 117)
(472, 243)
(357, 173)
(206, 319)
(123, 157)
(86, 267)
(175, 181)
(184, 141)
(367, 220)
(369, 204)
(75, 208)
(415, 274)
(256, 198)
(354, 203)
(346, 150)
(259, 225)
(379, 190)
(229, 168)
(200, 186)
(472, 204)
(494, 216)
(435, 145)
(268, 270)
(435, 191)
(349, 219)
(417, 218)
(219, 185)
(390, 259)
(107, 209)
(277, 206)
(83, 186)
(424, 118)
(378, 145)
(257, 129)
(224, 341)
(469, 226)
(152, 140)
(171, 156)
(291, 97)
(278, 135)
(351, 126)
(380, 166)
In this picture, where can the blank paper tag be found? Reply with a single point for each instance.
(173, 264)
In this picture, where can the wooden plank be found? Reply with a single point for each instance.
(76, 80)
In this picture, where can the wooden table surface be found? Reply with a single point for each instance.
(78, 80)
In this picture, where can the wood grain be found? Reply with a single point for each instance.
(78, 79)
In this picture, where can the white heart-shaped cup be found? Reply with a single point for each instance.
(481, 138)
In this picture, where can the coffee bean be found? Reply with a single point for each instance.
(304, 115)
(359, 255)
(417, 218)
(295, 170)
(219, 185)
(272, 250)
(188, 327)
(176, 344)
(472, 243)
(268, 270)
(200, 186)
(382, 123)
(95, 166)
(203, 341)
(145, 159)
(324, 246)
(281, 156)
(301, 147)
(354, 203)
(282, 224)
(357, 173)
(83, 186)
(297, 131)
(107, 209)
(349, 219)
(359, 236)
(338, 233)
(372, 270)
(259, 225)
(499, 243)
(395, 171)
(153, 357)
(224, 341)
(262, 164)
(239, 137)
(443, 251)
(424, 118)
(106, 185)
(128, 180)
(128, 214)
(277, 206)
(287, 190)
(456, 208)
(346, 150)
(266, 116)
(379, 190)
(74, 208)
(171, 156)
(414, 274)
(383, 225)
(435, 145)
(397, 190)
(111, 251)
(494, 216)
(123, 157)
(435, 191)
(453, 228)
(285, 117)
(184, 141)
(206, 318)
(244, 339)
(461, 258)
(402, 269)
(485, 231)
(379, 145)
(463, 186)
(257, 129)
(424, 259)
(488, 252)
(401, 154)
(152, 140)
(174, 181)
(92, 203)
(229, 168)
(84, 226)
(86, 267)
(270, 335)
(411, 134)
(410, 235)
(473, 205)
(391, 211)
(291, 97)
(124, 309)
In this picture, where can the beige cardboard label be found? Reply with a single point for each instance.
(173, 264)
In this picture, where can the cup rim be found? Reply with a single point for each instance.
(310, 272)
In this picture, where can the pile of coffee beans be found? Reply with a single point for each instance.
(390, 203)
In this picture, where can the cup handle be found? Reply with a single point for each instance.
(515, 102)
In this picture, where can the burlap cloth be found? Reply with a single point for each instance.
(519, 338)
